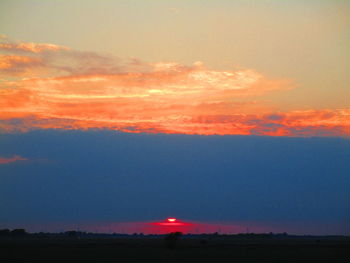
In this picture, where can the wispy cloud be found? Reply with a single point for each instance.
(18, 65)
(43, 59)
(30, 47)
(12, 159)
(82, 90)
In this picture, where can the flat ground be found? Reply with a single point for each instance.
(146, 249)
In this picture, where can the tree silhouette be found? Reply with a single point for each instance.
(18, 232)
(4, 232)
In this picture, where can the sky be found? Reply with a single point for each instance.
(227, 114)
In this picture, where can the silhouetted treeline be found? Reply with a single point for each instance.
(170, 237)
(14, 232)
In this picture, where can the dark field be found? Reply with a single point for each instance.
(187, 249)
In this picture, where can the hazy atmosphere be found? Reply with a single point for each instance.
(231, 116)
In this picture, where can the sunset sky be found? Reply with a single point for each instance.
(246, 101)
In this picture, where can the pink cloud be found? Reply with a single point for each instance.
(12, 159)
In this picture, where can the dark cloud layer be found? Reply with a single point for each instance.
(106, 176)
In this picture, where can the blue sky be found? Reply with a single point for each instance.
(98, 176)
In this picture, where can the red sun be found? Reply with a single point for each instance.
(171, 220)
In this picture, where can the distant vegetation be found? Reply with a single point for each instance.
(19, 246)
(14, 232)
(170, 237)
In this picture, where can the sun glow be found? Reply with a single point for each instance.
(171, 223)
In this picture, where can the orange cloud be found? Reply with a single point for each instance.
(15, 64)
(11, 46)
(158, 97)
(98, 92)
(15, 158)
(54, 60)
